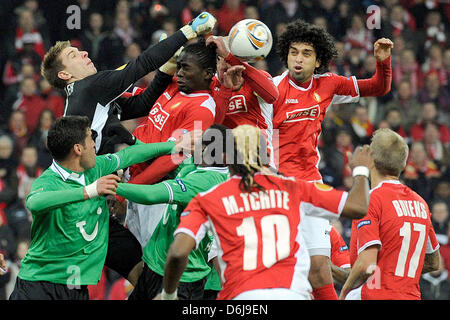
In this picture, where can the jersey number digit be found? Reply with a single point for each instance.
(405, 232)
(275, 234)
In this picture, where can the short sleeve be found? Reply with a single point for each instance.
(368, 228)
(193, 222)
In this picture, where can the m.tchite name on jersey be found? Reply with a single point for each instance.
(254, 201)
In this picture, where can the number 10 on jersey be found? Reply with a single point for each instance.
(274, 234)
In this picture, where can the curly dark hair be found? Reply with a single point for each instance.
(320, 39)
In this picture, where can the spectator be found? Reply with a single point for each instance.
(14, 266)
(8, 249)
(442, 193)
(435, 285)
(28, 28)
(434, 61)
(434, 30)
(394, 121)
(407, 103)
(440, 220)
(421, 174)
(283, 11)
(27, 171)
(340, 65)
(436, 150)
(400, 22)
(18, 131)
(52, 98)
(433, 91)
(361, 126)
(38, 138)
(358, 36)
(229, 14)
(93, 36)
(429, 114)
(407, 68)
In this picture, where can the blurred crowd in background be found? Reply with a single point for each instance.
(114, 32)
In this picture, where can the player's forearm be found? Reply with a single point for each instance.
(144, 194)
(431, 262)
(355, 279)
(156, 171)
(357, 202)
(380, 83)
(259, 82)
(140, 105)
(340, 274)
(44, 201)
(141, 152)
(175, 265)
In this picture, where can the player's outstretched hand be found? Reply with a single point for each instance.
(360, 157)
(187, 141)
(204, 23)
(222, 49)
(102, 186)
(382, 49)
(170, 67)
(232, 78)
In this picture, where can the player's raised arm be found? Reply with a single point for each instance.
(380, 83)
(260, 82)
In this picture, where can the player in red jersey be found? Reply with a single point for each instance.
(186, 105)
(255, 216)
(340, 256)
(306, 90)
(395, 241)
(251, 102)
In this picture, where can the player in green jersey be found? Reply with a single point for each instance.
(69, 233)
(177, 193)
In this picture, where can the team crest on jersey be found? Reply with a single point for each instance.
(158, 116)
(311, 113)
(317, 97)
(322, 187)
(237, 104)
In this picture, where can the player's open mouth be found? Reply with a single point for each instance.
(298, 69)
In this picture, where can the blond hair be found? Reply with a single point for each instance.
(248, 143)
(389, 152)
(52, 64)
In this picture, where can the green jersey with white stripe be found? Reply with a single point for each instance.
(176, 193)
(69, 235)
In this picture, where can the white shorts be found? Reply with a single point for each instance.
(272, 294)
(316, 233)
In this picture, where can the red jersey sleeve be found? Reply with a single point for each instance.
(321, 200)
(380, 83)
(193, 221)
(432, 241)
(340, 256)
(346, 89)
(368, 232)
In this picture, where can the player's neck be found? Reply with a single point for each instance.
(376, 178)
(304, 83)
(71, 164)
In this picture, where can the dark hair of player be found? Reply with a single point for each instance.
(65, 133)
(303, 32)
(206, 56)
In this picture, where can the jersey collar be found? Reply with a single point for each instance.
(385, 181)
(68, 174)
(298, 87)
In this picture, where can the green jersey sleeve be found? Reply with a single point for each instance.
(137, 153)
(41, 200)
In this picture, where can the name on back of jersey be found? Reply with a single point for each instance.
(410, 208)
(311, 113)
(237, 104)
(254, 201)
(158, 116)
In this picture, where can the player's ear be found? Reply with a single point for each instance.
(317, 63)
(209, 73)
(64, 75)
(77, 149)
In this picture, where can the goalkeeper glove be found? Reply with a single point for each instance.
(170, 67)
(202, 24)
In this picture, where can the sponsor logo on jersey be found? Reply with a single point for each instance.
(317, 97)
(158, 116)
(363, 223)
(311, 113)
(181, 184)
(237, 104)
(291, 101)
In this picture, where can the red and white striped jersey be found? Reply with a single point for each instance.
(398, 220)
(258, 233)
(298, 115)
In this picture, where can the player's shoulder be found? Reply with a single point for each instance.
(278, 80)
